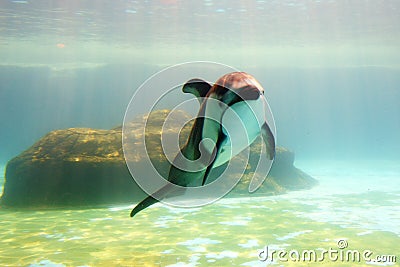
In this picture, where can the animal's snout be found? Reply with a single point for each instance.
(249, 93)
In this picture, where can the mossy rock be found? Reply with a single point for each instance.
(83, 166)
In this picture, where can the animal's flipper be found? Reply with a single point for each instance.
(152, 199)
(197, 87)
(264, 165)
(269, 140)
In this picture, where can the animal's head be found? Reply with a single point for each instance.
(235, 87)
(230, 88)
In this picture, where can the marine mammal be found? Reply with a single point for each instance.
(236, 92)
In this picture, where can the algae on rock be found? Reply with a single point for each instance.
(83, 166)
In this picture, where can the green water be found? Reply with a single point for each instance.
(331, 74)
(355, 203)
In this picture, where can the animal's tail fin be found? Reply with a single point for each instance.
(148, 201)
(154, 198)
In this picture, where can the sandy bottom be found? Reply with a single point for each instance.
(355, 207)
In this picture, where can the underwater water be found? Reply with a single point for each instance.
(331, 75)
(230, 232)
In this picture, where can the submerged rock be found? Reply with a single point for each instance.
(82, 166)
